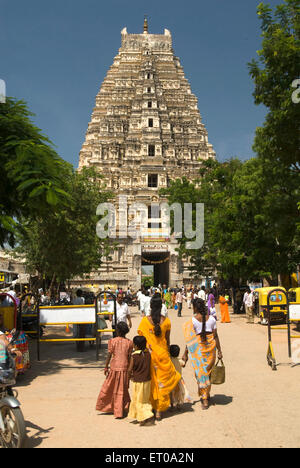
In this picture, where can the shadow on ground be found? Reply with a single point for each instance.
(186, 408)
(57, 356)
(38, 436)
(221, 400)
(218, 400)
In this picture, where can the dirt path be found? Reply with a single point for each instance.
(256, 407)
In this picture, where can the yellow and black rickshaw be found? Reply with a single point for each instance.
(278, 305)
(8, 311)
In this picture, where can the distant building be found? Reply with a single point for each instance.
(11, 270)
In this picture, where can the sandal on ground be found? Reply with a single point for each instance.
(205, 406)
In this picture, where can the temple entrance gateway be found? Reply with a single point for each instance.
(161, 266)
(144, 111)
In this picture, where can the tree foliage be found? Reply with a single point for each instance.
(246, 219)
(32, 174)
(278, 141)
(63, 244)
(46, 208)
(252, 209)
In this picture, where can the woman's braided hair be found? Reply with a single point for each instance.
(156, 305)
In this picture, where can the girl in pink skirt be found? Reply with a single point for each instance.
(114, 395)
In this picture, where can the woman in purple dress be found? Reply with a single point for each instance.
(211, 300)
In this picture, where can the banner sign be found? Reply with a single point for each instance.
(67, 314)
(294, 311)
(109, 307)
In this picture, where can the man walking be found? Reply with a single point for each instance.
(123, 314)
(139, 295)
(246, 294)
(238, 302)
(179, 299)
(145, 304)
(202, 293)
(249, 303)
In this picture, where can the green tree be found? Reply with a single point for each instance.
(267, 206)
(246, 219)
(277, 142)
(251, 213)
(273, 74)
(63, 244)
(214, 187)
(32, 174)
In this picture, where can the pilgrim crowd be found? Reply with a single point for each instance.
(144, 376)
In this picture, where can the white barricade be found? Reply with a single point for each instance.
(294, 311)
(67, 314)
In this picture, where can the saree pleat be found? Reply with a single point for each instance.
(202, 356)
(225, 317)
(164, 376)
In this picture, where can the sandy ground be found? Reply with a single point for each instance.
(256, 407)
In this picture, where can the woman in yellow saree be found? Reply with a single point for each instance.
(164, 377)
(202, 340)
(167, 298)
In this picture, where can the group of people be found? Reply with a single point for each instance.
(245, 302)
(153, 366)
(174, 299)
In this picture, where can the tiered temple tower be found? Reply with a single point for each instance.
(145, 130)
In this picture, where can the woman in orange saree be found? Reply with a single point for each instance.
(225, 317)
(164, 377)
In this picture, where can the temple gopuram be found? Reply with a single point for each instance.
(145, 130)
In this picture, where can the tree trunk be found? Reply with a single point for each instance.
(51, 288)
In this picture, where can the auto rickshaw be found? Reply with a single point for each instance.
(8, 312)
(278, 305)
(9, 322)
(294, 295)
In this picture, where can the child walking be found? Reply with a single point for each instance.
(114, 395)
(139, 370)
(180, 393)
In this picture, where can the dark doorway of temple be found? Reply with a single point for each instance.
(161, 266)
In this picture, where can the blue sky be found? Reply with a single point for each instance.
(55, 55)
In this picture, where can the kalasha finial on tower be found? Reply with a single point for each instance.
(145, 25)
